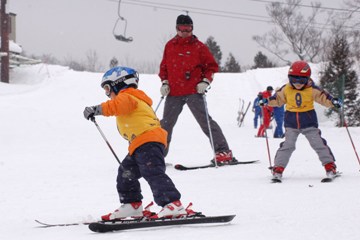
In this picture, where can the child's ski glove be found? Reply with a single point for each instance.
(337, 102)
(90, 112)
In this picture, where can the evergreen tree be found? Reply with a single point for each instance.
(231, 65)
(342, 81)
(214, 49)
(262, 61)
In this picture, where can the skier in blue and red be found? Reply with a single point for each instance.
(186, 72)
(257, 109)
(266, 111)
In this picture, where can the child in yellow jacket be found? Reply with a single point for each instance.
(299, 96)
(138, 124)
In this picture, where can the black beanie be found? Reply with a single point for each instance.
(184, 20)
(269, 88)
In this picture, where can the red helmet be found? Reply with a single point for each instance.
(300, 68)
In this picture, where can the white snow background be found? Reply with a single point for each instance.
(55, 166)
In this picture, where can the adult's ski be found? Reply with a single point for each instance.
(102, 227)
(211, 165)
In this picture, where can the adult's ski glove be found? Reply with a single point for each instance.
(165, 89)
(336, 102)
(90, 112)
(203, 86)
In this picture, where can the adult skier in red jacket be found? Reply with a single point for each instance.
(186, 71)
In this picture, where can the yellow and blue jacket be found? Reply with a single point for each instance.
(136, 120)
(300, 112)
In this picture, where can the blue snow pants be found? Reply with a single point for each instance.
(279, 132)
(279, 119)
(257, 116)
(148, 162)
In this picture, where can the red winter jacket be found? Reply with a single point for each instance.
(267, 110)
(186, 61)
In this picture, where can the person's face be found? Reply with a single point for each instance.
(109, 92)
(298, 85)
(184, 30)
(298, 81)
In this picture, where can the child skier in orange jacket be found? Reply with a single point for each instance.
(138, 124)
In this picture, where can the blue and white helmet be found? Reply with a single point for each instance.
(119, 78)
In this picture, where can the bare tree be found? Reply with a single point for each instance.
(353, 4)
(294, 33)
(93, 61)
(349, 22)
(74, 64)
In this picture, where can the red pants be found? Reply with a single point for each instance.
(266, 116)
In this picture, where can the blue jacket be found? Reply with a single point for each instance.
(256, 106)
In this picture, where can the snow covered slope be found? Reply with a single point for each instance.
(55, 167)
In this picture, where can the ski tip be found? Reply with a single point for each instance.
(275, 180)
(41, 223)
(94, 227)
(179, 167)
(330, 179)
(225, 219)
(231, 217)
(249, 162)
(326, 180)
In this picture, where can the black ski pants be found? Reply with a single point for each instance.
(148, 162)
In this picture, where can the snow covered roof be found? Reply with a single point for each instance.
(14, 47)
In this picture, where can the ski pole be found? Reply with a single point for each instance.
(107, 142)
(268, 149)
(357, 156)
(210, 133)
(162, 98)
(266, 137)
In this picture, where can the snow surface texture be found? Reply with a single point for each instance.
(55, 167)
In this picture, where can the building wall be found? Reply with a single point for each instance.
(12, 35)
(12, 29)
